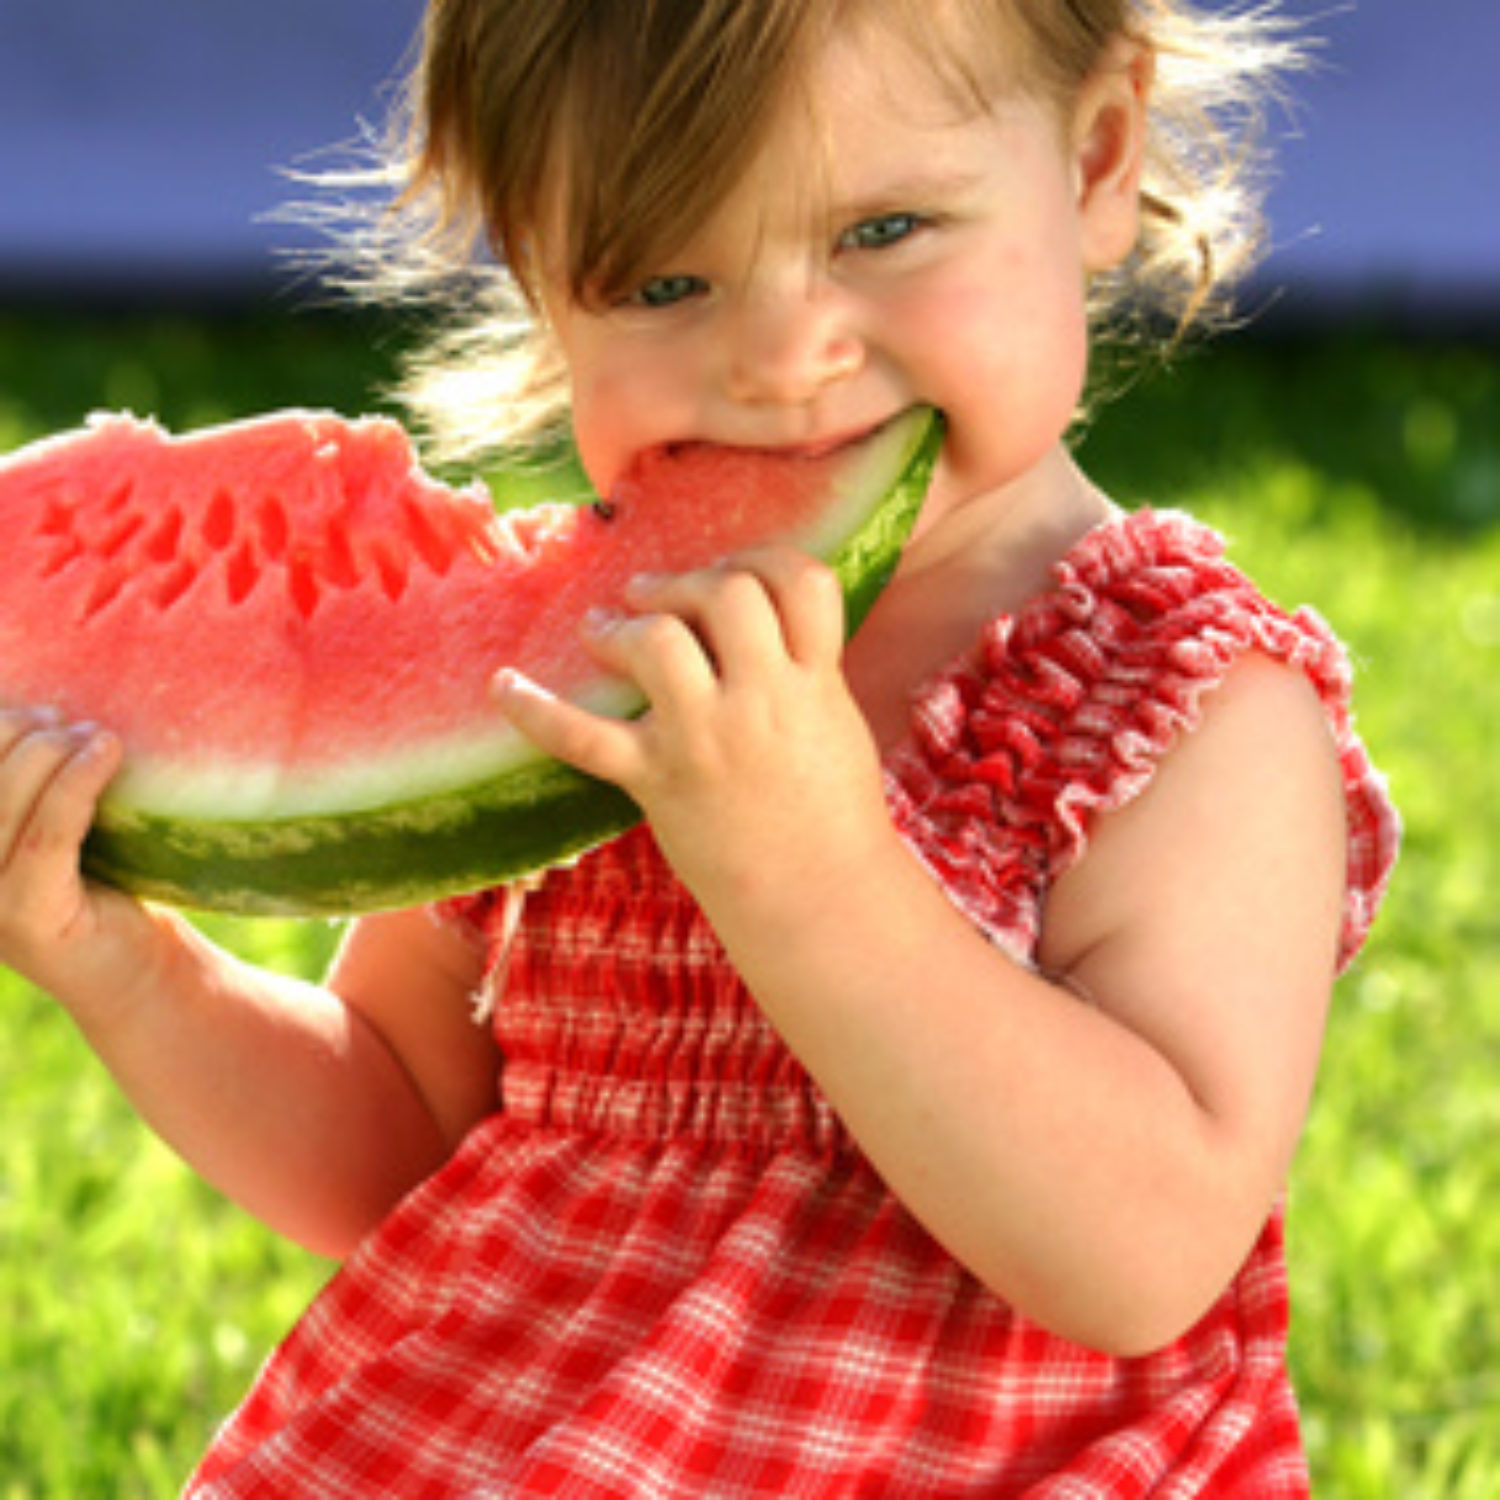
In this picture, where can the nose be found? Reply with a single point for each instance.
(789, 345)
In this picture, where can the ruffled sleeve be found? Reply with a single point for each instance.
(1066, 710)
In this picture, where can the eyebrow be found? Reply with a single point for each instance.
(907, 192)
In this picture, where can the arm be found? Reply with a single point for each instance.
(316, 1108)
(1104, 1166)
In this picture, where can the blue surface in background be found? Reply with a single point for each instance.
(140, 142)
(144, 141)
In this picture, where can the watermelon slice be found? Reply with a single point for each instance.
(293, 630)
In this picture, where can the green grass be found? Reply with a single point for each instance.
(1350, 471)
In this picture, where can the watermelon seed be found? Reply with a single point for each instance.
(59, 519)
(431, 547)
(304, 587)
(69, 549)
(275, 530)
(338, 565)
(392, 570)
(219, 522)
(105, 589)
(118, 539)
(242, 574)
(162, 544)
(175, 585)
(119, 497)
(606, 510)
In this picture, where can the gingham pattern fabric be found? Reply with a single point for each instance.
(662, 1268)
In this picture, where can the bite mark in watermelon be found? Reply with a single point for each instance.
(293, 630)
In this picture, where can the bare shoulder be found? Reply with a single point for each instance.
(1205, 915)
(1249, 802)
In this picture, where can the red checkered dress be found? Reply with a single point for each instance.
(663, 1269)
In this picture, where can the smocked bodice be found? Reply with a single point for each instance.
(614, 1005)
(620, 1014)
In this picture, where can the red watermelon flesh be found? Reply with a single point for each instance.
(286, 619)
(303, 590)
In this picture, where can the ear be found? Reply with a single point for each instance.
(1109, 152)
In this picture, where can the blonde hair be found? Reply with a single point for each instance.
(627, 124)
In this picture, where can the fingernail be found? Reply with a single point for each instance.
(508, 680)
(599, 621)
(515, 689)
(644, 582)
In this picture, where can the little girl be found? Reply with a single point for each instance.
(905, 1107)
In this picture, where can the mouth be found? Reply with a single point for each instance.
(810, 451)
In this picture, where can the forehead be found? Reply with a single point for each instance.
(917, 67)
(976, 50)
(870, 110)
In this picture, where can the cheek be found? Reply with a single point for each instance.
(624, 401)
(596, 429)
(611, 418)
(1015, 338)
(1009, 359)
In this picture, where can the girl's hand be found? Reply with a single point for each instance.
(753, 759)
(64, 934)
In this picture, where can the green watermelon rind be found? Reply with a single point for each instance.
(534, 814)
(342, 864)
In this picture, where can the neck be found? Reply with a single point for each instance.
(1006, 539)
(971, 559)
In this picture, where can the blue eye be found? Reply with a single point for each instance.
(668, 291)
(880, 232)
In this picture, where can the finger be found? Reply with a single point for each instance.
(35, 746)
(729, 611)
(669, 653)
(591, 743)
(50, 789)
(17, 723)
(70, 802)
(808, 600)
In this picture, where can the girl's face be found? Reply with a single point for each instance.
(891, 246)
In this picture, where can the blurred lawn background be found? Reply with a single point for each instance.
(1356, 470)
